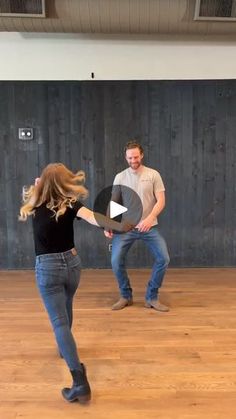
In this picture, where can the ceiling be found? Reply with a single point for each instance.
(158, 17)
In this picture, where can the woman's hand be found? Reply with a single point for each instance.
(108, 234)
(36, 181)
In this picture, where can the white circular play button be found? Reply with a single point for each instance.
(116, 209)
(119, 203)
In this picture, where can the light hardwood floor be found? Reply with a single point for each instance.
(141, 363)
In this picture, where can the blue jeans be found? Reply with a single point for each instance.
(121, 244)
(57, 276)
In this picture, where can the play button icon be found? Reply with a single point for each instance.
(116, 209)
(119, 203)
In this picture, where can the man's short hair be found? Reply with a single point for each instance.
(133, 144)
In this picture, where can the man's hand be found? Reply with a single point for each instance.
(36, 181)
(108, 234)
(145, 225)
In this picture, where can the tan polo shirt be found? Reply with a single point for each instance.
(146, 182)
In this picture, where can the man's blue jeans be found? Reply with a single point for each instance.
(121, 244)
(57, 276)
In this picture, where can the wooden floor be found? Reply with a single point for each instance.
(141, 363)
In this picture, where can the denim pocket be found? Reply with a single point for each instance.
(49, 274)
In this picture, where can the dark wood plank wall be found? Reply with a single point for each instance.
(188, 131)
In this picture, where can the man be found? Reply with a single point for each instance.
(147, 183)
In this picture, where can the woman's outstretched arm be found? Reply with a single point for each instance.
(101, 220)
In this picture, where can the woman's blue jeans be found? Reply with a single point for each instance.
(57, 276)
(121, 244)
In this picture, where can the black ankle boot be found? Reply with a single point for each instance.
(80, 389)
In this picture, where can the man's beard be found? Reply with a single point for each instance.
(135, 165)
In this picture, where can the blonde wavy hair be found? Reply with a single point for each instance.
(58, 187)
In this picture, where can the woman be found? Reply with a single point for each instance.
(54, 202)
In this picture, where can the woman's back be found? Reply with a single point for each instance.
(51, 235)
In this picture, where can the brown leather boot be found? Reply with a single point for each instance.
(156, 305)
(122, 303)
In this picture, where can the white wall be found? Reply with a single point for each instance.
(73, 57)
